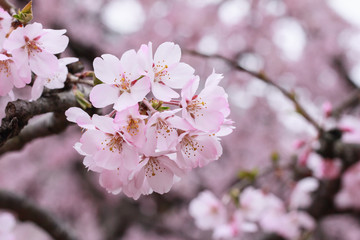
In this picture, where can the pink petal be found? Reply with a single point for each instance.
(40, 59)
(180, 75)
(53, 41)
(169, 52)
(163, 92)
(103, 95)
(107, 68)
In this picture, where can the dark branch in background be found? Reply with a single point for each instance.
(49, 125)
(261, 76)
(348, 103)
(339, 66)
(25, 210)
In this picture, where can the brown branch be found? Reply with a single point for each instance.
(339, 66)
(19, 112)
(331, 147)
(261, 76)
(46, 126)
(348, 103)
(28, 211)
(7, 6)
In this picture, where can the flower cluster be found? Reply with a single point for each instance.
(25, 50)
(256, 210)
(159, 127)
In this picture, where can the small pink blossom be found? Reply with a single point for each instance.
(131, 123)
(10, 75)
(301, 194)
(323, 168)
(349, 195)
(234, 228)
(197, 149)
(5, 24)
(35, 47)
(124, 85)
(254, 203)
(162, 129)
(55, 80)
(287, 225)
(208, 211)
(206, 111)
(165, 70)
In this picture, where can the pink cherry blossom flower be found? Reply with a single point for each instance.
(10, 75)
(131, 123)
(323, 168)
(349, 195)
(351, 129)
(53, 81)
(165, 70)
(301, 194)
(35, 47)
(80, 117)
(105, 147)
(124, 83)
(155, 173)
(197, 149)
(5, 24)
(207, 110)
(254, 203)
(162, 129)
(287, 225)
(208, 211)
(235, 227)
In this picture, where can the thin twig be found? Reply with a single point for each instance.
(261, 76)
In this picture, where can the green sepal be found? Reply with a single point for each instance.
(25, 15)
(96, 81)
(248, 175)
(82, 101)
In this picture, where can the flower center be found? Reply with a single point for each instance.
(152, 167)
(190, 146)
(133, 126)
(32, 46)
(4, 67)
(160, 72)
(114, 143)
(195, 107)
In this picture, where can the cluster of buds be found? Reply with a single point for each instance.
(26, 49)
(159, 127)
(255, 210)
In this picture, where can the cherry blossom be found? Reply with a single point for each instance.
(207, 110)
(34, 47)
(197, 149)
(124, 83)
(53, 81)
(208, 211)
(165, 70)
(301, 194)
(5, 24)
